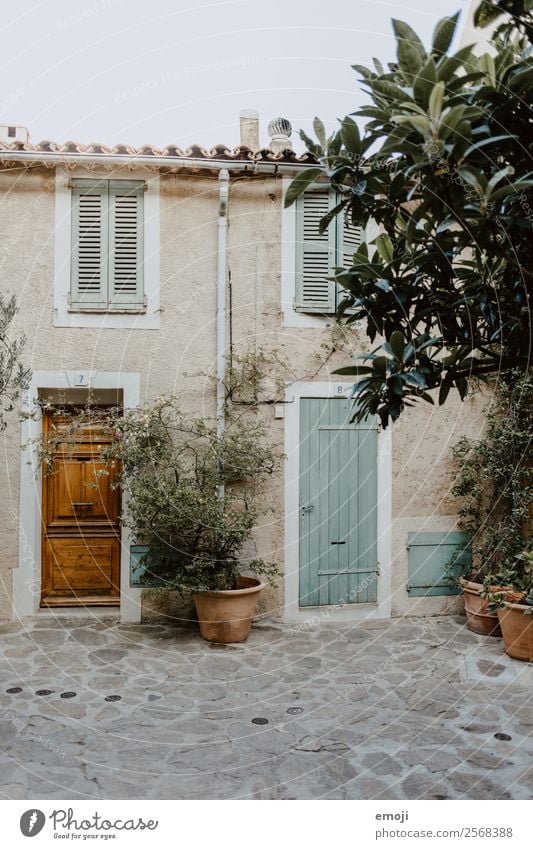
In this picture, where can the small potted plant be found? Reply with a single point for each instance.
(480, 617)
(514, 608)
(477, 583)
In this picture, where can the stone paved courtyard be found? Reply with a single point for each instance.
(403, 709)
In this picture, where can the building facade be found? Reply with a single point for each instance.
(136, 271)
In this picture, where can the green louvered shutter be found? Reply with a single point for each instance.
(429, 555)
(89, 245)
(315, 254)
(126, 202)
(349, 238)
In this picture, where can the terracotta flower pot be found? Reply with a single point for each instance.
(225, 616)
(478, 617)
(514, 596)
(517, 630)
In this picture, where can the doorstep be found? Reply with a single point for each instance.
(93, 613)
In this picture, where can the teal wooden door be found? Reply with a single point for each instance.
(338, 505)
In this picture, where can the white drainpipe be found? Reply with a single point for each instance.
(223, 194)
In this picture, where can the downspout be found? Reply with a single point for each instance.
(223, 194)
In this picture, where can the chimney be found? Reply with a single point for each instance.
(279, 131)
(249, 119)
(13, 132)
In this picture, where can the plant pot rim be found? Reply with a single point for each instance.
(476, 587)
(514, 606)
(467, 584)
(254, 587)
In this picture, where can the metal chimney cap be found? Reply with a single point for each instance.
(279, 127)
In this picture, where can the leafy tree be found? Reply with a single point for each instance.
(490, 11)
(443, 166)
(13, 376)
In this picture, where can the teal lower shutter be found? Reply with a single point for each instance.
(137, 567)
(338, 505)
(429, 554)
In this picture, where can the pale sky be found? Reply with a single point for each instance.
(179, 71)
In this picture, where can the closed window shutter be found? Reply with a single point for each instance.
(107, 245)
(350, 237)
(89, 245)
(126, 200)
(315, 254)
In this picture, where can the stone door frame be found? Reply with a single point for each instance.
(27, 574)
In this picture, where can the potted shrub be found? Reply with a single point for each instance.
(515, 608)
(494, 481)
(193, 498)
(479, 617)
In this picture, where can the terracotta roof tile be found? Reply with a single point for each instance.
(172, 151)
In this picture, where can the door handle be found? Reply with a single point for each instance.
(308, 508)
(339, 542)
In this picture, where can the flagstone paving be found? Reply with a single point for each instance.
(402, 709)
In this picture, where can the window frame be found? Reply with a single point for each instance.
(65, 315)
(109, 300)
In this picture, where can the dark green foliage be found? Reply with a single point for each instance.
(489, 11)
(495, 481)
(444, 167)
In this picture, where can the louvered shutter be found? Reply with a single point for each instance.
(126, 200)
(349, 239)
(89, 245)
(315, 254)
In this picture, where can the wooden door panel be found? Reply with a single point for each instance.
(79, 495)
(65, 486)
(84, 566)
(97, 490)
(81, 525)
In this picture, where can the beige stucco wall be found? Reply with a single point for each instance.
(176, 358)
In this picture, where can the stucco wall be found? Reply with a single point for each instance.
(176, 358)
(169, 360)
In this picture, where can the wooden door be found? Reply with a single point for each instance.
(338, 505)
(80, 524)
